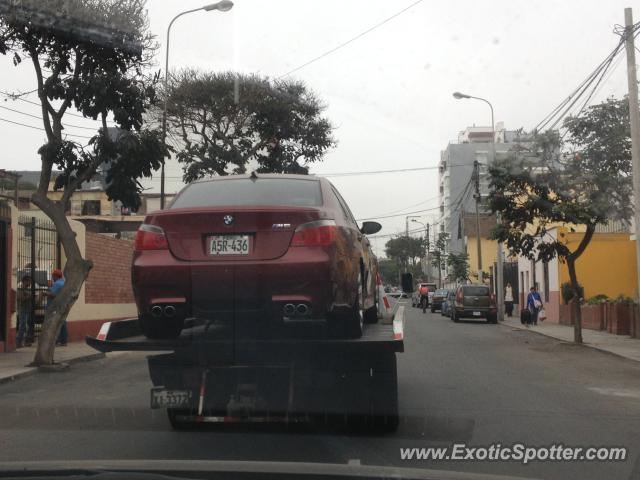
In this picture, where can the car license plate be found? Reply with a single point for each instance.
(476, 314)
(161, 398)
(229, 245)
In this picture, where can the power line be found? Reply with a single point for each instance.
(17, 97)
(344, 44)
(40, 118)
(38, 128)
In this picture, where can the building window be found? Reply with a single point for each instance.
(91, 207)
(545, 274)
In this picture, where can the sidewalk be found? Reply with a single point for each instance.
(13, 365)
(621, 345)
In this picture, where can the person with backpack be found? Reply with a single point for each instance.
(424, 297)
(534, 305)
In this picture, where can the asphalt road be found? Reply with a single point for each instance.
(470, 383)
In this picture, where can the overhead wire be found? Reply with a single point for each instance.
(40, 118)
(353, 39)
(39, 128)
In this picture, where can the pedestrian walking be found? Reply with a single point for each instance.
(508, 299)
(54, 290)
(25, 311)
(534, 304)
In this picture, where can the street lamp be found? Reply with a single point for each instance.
(499, 281)
(222, 6)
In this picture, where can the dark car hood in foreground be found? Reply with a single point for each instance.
(150, 469)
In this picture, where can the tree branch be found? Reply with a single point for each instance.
(44, 102)
(588, 235)
(76, 74)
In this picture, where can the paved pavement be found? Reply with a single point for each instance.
(14, 365)
(474, 383)
(621, 345)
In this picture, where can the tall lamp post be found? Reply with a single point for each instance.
(222, 6)
(499, 273)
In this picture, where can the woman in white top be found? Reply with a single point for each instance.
(508, 300)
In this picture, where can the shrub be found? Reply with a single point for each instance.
(567, 292)
(598, 299)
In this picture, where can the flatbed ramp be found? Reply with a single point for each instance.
(206, 376)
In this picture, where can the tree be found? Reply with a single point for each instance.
(228, 121)
(458, 263)
(389, 270)
(406, 250)
(89, 55)
(581, 182)
(438, 255)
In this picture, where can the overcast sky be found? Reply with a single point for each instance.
(388, 93)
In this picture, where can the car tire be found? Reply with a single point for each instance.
(355, 322)
(433, 309)
(160, 328)
(454, 317)
(492, 319)
(178, 423)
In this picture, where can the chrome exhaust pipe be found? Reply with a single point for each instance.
(156, 311)
(289, 309)
(302, 309)
(169, 311)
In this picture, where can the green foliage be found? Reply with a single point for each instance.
(585, 180)
(90, 55)
(229, 121)
(405, 249)
(567, 292)
(624, 299)
(458, 264)
(598, 299)
(389, 269)
(438, 255)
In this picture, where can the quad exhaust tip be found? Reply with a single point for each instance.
(289, 309)
(302, 309)
(156, 311)
(169, 311)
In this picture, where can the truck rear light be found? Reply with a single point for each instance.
(460, 296)
(150, 237)
(320, 233)
(492, 300)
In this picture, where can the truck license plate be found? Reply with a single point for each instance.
(476, 314)
(161, 398)
(229, 245)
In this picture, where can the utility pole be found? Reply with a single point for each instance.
(476, 172)
(634, 116)
(427, 266)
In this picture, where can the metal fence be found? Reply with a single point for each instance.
(38, 255)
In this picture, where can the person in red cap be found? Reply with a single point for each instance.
(54, 290)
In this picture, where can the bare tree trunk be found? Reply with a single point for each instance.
(76, 271)
(576, 312)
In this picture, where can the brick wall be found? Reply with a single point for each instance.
(110, 279)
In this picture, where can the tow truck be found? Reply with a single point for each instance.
(204, 376)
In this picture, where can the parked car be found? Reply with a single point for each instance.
(438, 297)
(474, 301)
(398, 294)
(445, 310)
(257, 254)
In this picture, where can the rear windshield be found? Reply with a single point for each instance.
(244, 191)
(476, 290)
(442, 292)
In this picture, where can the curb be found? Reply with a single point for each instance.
(588, 345)
(33, 370)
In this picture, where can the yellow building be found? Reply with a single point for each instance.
(488, 247)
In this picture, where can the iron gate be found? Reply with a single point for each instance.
(38, 256)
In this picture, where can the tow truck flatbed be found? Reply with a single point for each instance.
(207, 376)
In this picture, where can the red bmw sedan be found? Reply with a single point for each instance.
(256, 256)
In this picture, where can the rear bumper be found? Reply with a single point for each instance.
(245, 291)
(472, 312)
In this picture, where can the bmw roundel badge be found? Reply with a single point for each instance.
(228, 219)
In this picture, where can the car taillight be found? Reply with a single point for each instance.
(150, 237)
(460, 296)
(492, 300)
(320, 233)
